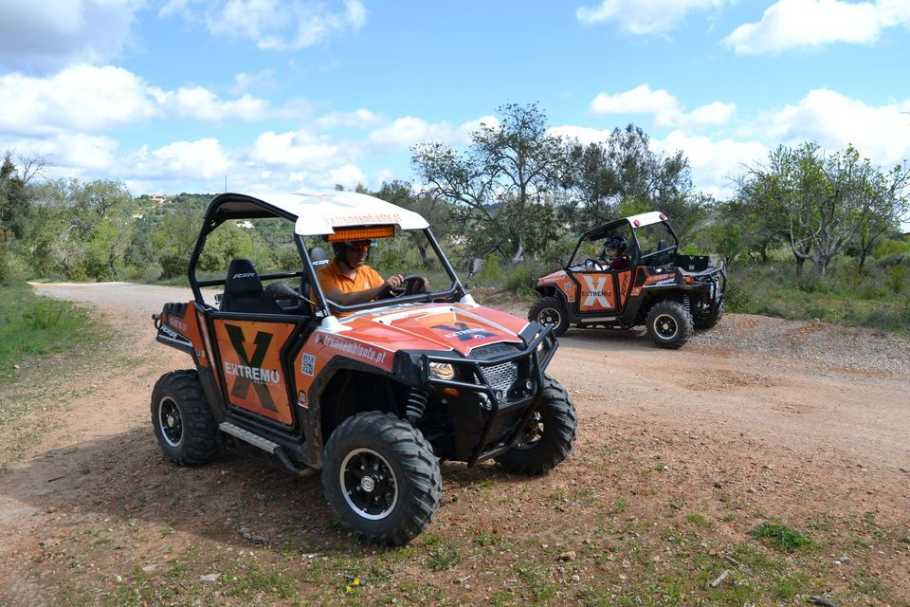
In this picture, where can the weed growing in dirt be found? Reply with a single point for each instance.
(31, 325)
(780, 537)
(443, 557)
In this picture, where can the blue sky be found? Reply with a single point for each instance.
(176, 95)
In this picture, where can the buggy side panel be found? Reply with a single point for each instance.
(598, 293)
(561, 282)
(320, 358)
(624, 278)
(250, 353)
(178, 326)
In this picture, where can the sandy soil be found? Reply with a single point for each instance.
(825, 425)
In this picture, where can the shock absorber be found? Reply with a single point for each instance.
(416, 405)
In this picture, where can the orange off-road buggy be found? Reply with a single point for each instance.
(376, 398)
(628, 273)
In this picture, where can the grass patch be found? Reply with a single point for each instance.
(876, 299)
(33, 326)
(780, 537)
(247, 583)
(699, 520)
(443, 557)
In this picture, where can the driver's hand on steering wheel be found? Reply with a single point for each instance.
(394, 282)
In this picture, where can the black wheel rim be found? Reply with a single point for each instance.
(533, 432)
(170, 421)
(665, 326)
(368, 484)
(549, 317)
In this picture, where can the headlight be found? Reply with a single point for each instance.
(443, 371)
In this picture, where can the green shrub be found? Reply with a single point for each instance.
(780, 537)
(897, 278)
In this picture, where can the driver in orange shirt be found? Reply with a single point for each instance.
(348, 280)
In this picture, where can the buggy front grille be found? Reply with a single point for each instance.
(501, 377)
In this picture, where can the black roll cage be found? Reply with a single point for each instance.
(601, 231)
(264, 210)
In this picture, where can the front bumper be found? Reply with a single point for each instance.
(495, 418)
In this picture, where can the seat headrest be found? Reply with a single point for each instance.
(242, 278)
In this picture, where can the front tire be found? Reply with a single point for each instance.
(706, 321)
(381, 478)
(549, 436)
(549, 311)
(184, 426)
(669, 324)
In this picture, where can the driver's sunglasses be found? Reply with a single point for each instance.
(360, 244)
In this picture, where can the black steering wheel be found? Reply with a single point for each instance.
(411, 285)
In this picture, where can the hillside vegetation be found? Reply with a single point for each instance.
(808, 234)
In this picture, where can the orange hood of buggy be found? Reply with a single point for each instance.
(442, 327)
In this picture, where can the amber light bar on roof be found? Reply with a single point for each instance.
(362, 233)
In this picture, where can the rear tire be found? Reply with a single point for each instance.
(550, 312)
(703, 322)
(184, 426)
(553, 426)
(381, 478)
(669, 324)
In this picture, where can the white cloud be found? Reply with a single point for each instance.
(409, 130)
(246, 81)
(295, 149)
(90, 98)
(44, 35)
(200, 159)
(79, 97)
(788, 24)
(272, 24)
(200, 103)
(715, 163)
(74, 152)
(834, 120)
(644, 16)
(665, 107)
(358, 119)
(348, 175)
(582, 134)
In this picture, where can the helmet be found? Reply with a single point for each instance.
(614, 246)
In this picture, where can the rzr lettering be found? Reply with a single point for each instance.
(595, 292)
(463, 332)
(251, 372)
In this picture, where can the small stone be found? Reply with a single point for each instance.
(576, 578)
(209, 578)
(149, 568)
(567, 556)
(118, 578)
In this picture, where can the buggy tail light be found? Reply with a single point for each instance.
(636, 223)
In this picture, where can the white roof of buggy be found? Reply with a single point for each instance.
(319, 213)
(646, 219)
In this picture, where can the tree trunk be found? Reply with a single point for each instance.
(519, 255)
(799, 265)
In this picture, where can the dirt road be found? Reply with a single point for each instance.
(833, 400)
(826, 408)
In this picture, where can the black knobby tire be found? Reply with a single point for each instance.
(669, 324)
(550, 311)
(555, 434)
(184, 426)
(703, 322)
(387, 444)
